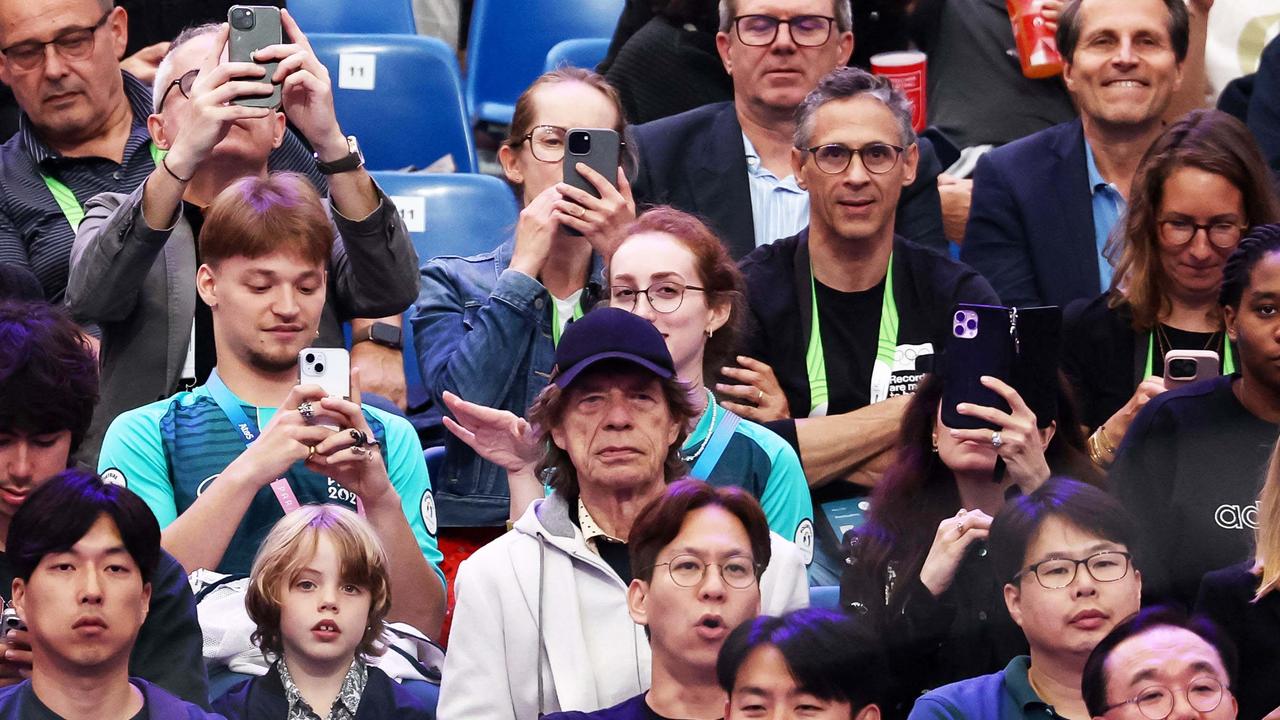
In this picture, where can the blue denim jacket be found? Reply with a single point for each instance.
(483, 332)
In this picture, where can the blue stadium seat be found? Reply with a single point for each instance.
(349, 16)
(825, 596)
(508, 43)
(464, 214)
(578, 52)
(412, 113)
(434, 457)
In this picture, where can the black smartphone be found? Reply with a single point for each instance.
(254, 27)
(1019, 346)
(598, 149)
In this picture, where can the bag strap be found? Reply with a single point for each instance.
(710, 456)
(225, 580)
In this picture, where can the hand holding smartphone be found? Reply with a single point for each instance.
(598, 149)
(254, 27)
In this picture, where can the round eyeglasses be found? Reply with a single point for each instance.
(1222, 235)
(74, 44)
(688, 570)
(1056, 573)
(546, 142)
(663, 297)
(1204, 694)
(183, 83)
(877, 157)
(806, 30)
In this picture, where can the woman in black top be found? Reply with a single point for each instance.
(1198, 188)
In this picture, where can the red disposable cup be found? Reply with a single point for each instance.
(1037, 48)
(906, 70)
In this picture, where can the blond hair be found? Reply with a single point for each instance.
(1267, 536)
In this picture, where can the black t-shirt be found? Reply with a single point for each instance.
(631, 709)
(30, 708)
(1189, 470)
(205, 352)
(850, 323)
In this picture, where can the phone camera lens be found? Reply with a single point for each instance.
(960, 316)
(972, 324)
(310, 358)
(959, 331)
(242, 19)
(319, 367)
(1182, 368)
(579, 143)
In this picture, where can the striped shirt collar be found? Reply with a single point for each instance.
(135, 91)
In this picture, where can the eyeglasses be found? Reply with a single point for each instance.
(1204, 694)
(74, 44)
(1107, 566)
(1224, 235)
(806, 30)
(687, 571)
(877, 157)
(663, 297)
(183, 84)
(546, 142)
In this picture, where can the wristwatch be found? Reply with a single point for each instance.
(353, 160)
(380, 333)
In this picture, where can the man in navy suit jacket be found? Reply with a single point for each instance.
(698, 160)
(1043, 206)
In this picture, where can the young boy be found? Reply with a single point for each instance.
(318, 592)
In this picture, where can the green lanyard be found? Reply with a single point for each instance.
(67, 200)
(886, 347)
(555, 318)
(1228, 363)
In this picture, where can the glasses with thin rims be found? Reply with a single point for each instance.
(737, 571)
(806, 30)
(183, 83)
(73, 44)
(1056, 573)
(1176, 232)
(1204, 694)
(877, 157)
(663, 297)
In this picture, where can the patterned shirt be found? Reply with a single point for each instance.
(779, 207)
(344, 706)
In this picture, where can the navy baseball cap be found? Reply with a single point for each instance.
(610, 334)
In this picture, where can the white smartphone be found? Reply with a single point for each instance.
(330, 368)
(1183, 367)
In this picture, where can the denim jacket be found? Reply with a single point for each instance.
(483, 332)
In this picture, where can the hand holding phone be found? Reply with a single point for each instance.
(330, 368)
(254, 27)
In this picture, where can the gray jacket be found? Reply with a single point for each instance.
(139, 286)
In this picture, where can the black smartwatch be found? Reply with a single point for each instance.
(380, 333)
(353, 160)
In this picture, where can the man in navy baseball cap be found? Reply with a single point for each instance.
(610, 334)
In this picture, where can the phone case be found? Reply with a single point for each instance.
(242, 44)
(1207, 362)
(603, 158)
(330, 368)
(1020, 346)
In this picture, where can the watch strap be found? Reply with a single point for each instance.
(353, 160)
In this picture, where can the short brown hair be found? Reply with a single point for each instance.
(548, 411)
(258, 216)
(660, 521)
(48, 373)
(290, 546)
(717, 272)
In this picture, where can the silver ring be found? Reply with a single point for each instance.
(996, 440)
(359, 436)
(306, 411)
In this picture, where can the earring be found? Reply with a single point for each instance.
(710, 333)
(935, 442)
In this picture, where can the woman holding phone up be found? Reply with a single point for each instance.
(1197, 190)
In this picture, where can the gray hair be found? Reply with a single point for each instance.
(842, 10)
(162, 79)
(850, 82)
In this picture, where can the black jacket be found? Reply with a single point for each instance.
(1226, 597)
(263, 698)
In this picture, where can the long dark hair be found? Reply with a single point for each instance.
(918, 491)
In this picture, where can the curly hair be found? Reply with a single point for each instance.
(48, 373)
(1260, 241)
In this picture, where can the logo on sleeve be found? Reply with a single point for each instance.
(804, 539)
(113, 476)
(428, 505)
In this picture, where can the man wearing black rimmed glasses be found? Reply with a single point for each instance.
(729, 162)
(1065, 549)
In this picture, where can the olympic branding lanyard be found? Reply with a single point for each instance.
(66, 199)
(886, 346)
(555, 319)
(1228, 363)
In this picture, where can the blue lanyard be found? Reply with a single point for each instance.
(248, 430)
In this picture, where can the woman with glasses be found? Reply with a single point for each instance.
(1198, 188)
(485, 327)
(918, 570)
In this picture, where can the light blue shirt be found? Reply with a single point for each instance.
(779, 208)
(1108, 206)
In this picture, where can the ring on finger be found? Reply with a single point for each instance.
(996, 440)
(305, 409)
(311, 450)
(360, 438)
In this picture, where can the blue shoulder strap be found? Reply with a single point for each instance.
(710, 456)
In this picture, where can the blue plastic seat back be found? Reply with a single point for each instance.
(458, 214)
(350, 16)
(578, 52)
(825, 596)
(401, 95)
(508, 44)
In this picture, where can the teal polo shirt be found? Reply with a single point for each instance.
(1004, 695)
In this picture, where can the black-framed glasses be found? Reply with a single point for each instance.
(806, 30)
(183, 83)
(73, 44)
(1057, 573)
(1204, 694)
(877, 157)
(737, 571)
(1176, 232)
(663, 297)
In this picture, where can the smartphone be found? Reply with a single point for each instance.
(598, 148)
(1020, 346)
(1183, 367)
(330, 368)
(254, 27)
(9, 621)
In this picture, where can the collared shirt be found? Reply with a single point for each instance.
(1004, 695)
(610, 549)
(590, 531)
(1108, 206)
(779, 208)
(344, 706)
